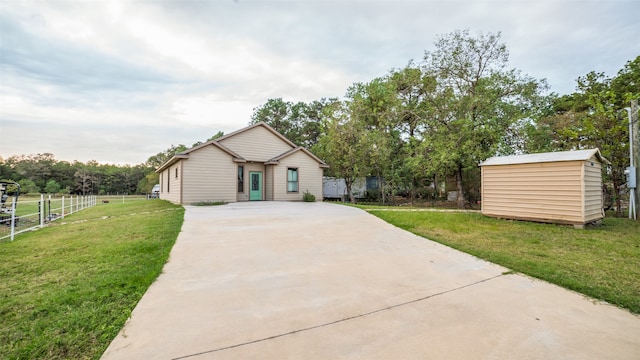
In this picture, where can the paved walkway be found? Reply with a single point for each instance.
(275, 280)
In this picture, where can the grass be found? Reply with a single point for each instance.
(66, 290)
(208, 203)
(602, 262)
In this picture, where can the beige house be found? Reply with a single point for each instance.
(560, 187)
(251, 164)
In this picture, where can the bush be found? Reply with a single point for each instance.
(308, 197)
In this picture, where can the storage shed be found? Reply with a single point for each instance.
(559, 187)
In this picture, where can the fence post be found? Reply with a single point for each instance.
(13, 216)
(62, 207)
(41, 210)
(49, 212)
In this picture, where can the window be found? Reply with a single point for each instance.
(176, 173)
(292, 180)
(168, 179)
(240, 179)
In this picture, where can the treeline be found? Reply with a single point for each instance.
(427, 126)
(42, 173)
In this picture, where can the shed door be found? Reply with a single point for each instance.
(255, 186)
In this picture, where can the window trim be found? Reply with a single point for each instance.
(296, 182)
(240, 179)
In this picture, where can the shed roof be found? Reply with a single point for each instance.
(576, 155)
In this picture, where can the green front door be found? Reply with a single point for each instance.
(255, 186)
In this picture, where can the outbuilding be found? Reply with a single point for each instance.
(558, 187)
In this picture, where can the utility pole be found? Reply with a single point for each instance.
(635, 146)
(632, 172)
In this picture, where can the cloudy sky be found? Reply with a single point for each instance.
(118, 81)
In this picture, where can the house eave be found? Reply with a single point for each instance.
(276, 160)
(174, 159)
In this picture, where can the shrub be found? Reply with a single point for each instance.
(308, 197)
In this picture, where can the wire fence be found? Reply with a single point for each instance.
(34, 212)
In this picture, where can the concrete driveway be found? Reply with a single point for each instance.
(274, 280)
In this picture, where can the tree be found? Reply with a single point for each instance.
(299, 122)
(6, 171)
(84, 180)
(603, 128)
(275, 113)
(217, 135)
(28, 187)
(311, 122)
(592, 118)
(35, 167)
(342, 145)
(375, 106)
(626, 84)
(478, 100)
(160, 158)
(52, 187)
(146, 184)
(414, 92)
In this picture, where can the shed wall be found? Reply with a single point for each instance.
(256, 144)
(593, 204)
(550, 191)
(209, 175)
(309, 177)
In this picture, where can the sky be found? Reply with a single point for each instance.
(119, 81)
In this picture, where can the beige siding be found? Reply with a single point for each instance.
(538, 191)
(593, 204)
(268, 181)
(256, 144)
(170, 185)
(309, 177)
(209, 175)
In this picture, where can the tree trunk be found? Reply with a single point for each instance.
(461, 199)
(347, 184)
(381, 188)
(617, 197)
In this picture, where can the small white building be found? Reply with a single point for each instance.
(559, 187)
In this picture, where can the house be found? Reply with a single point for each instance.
(559, 187)
(251, 164)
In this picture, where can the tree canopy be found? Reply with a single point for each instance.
(421, 129)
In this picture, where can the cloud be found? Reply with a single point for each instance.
(126, 79)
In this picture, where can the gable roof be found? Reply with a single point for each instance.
(235, 156)
(576, 155)
(185, 154)
(260, 124)
(276, 160)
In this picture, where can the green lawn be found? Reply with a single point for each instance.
(602, 262)
(67, 289)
